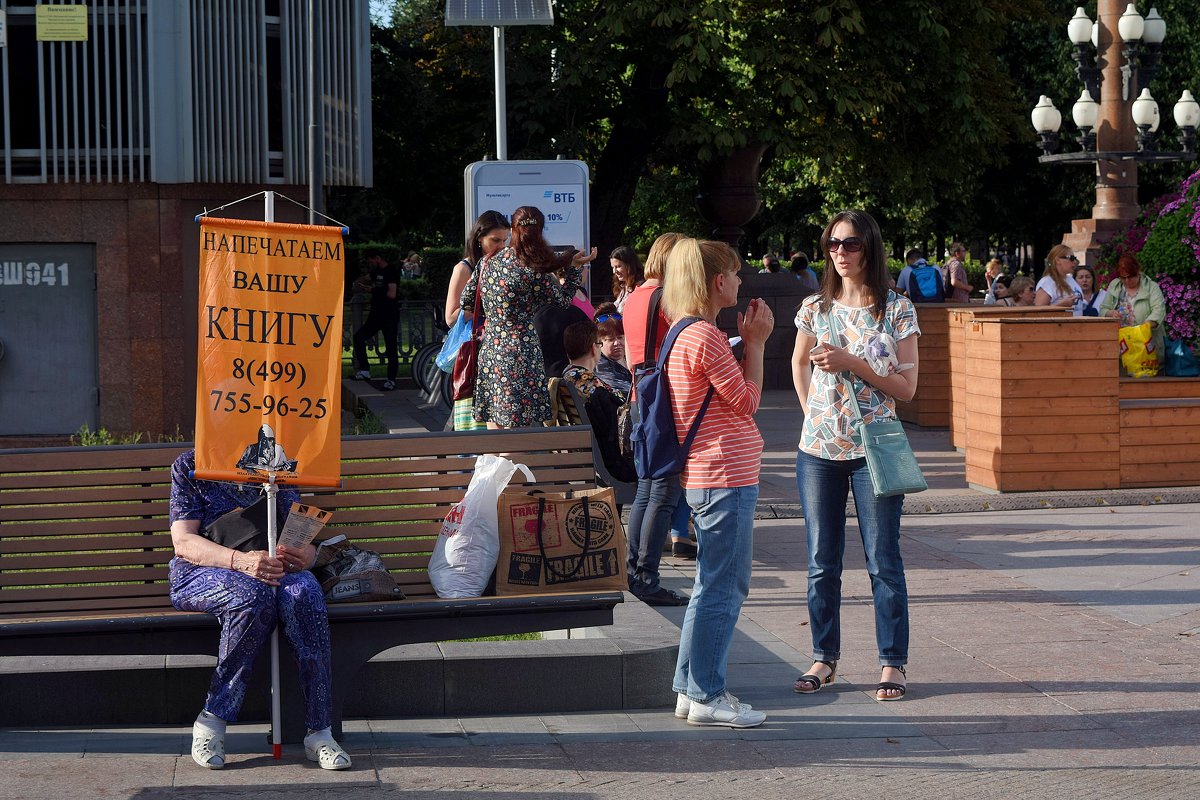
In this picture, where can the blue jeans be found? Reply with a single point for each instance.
(824, 485)
(649, 521)
(725, 535)
(679, 520)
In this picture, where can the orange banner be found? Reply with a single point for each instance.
(269, 366)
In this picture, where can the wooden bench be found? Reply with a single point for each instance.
(84, 546)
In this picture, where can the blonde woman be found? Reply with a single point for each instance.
(720, 475)
(1057, 286)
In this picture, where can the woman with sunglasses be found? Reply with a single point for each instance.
(854, 315)
(1057, 286)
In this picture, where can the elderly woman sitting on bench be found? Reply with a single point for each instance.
(248, 592)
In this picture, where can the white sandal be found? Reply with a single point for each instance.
(324, 749)
(208, 747)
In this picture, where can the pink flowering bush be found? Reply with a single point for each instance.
(1183, 308)
(1166, 240)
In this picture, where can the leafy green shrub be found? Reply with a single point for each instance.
(86, 437)
(438, 263)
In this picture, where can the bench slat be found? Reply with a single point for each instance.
(115, 592)
(83, 496)
(82, 527)
(103, 607)
(49, 459)
(84, 576)
(88, 511)
(84, 543)
(72, 559)
(64, 480)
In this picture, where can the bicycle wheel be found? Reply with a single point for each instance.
(423, 360)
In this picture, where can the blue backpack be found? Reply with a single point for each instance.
(925, 284)
(657, 452)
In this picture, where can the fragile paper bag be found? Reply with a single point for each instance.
(570, 542)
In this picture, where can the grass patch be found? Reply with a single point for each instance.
(512, 637)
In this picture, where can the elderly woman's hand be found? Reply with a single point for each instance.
(296, 559)
(259, 564)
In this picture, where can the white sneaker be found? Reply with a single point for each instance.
(725, 711)
(322, 748)
(208, 747)
(683, 704)
(362, 375)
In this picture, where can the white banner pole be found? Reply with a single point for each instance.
(272, 532)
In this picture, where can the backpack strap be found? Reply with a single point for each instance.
(668, 343)
(651, 328)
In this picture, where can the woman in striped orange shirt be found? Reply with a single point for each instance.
(720, 476)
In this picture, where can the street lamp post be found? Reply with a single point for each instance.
(1122, 128)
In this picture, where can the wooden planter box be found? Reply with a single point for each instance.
(959, 319)
(930, 407)
(1160, 432)
(1042, 404)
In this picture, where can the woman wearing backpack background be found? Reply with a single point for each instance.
(659, 505)
(720, 475)
(854, 314)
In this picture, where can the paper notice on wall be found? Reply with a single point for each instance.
(302, 526)
(62, 23)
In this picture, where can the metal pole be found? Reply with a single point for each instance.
(501, 113)
(272, 528)
(316, 151)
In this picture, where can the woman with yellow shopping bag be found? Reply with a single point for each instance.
(1135, 299)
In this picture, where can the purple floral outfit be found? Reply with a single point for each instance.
(247, 608)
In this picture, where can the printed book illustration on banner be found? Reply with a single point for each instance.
(266, 455)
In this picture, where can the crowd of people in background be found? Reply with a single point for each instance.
(538, 322)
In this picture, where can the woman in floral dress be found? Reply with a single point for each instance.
(510, 383)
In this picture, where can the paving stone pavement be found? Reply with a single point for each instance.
(1053, 654)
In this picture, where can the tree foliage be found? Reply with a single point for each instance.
(915, 110)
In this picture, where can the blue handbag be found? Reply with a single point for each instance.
(1180, 360)
(458, 333)
(890, 460)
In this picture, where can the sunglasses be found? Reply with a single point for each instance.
(850, 245)
(1072, 258)
(608, 318)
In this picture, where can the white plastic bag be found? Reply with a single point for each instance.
(469, 545)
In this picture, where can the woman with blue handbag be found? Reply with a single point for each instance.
(486, 238)
(855, 355)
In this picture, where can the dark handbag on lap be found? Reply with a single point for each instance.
(243, 529)
(466, 362)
